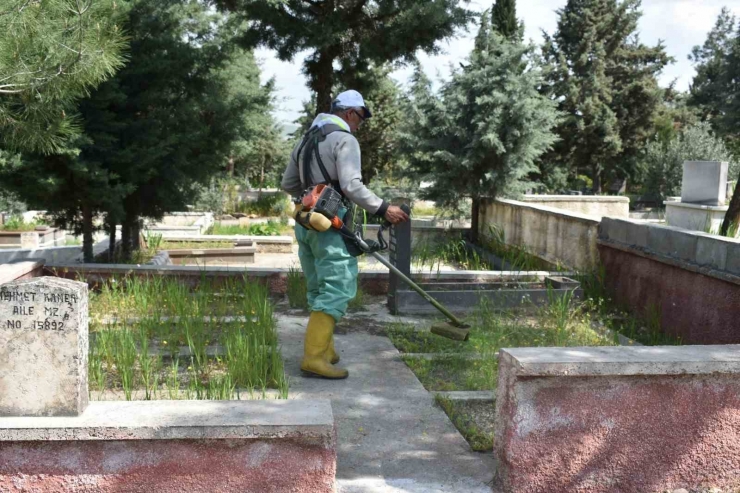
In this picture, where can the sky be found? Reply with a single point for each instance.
(680, 24)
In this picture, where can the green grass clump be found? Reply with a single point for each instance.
(561, 323)
(270, 228)
(267, 205)
(194, 245)
(16, 223)
(410, 340)
(358, 302)
(128, 356)
(451, 251)
(296, 289)
(454, 372)
(480, 440)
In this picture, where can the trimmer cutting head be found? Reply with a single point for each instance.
(450, 331)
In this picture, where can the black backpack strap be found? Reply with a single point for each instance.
(311, 145)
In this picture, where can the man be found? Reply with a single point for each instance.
(329, 153)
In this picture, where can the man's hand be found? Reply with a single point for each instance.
(395, 215)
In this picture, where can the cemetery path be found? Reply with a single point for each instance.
(391, 437)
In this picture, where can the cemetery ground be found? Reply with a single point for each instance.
(156, 338)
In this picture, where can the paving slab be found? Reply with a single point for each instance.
(391, 437)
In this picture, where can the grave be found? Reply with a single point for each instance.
(629, 419)
(43, 347)
(52, 439)
(510, 290)
(703, 196)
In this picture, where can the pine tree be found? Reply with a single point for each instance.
(606, 83)
(51, 53)
(166, 122)
(354, 34)
(481, 137)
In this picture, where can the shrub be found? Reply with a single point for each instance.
(662, 163)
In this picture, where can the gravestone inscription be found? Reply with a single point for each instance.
(43, 347)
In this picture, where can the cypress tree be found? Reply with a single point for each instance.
(482, 136)
(606, 83)
(504, 21)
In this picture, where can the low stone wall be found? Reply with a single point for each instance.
(555, 235)
(48, 237)
(591, 205)
(624, 419)
(206, 256)
(690, 280)
(423, 232)
(373, 282)
(264, 244)
(23, 269)
(173, 446)
(182, 223)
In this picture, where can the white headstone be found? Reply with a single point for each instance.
(704, 182)
(43, 347)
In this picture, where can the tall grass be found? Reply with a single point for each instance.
(249, 360)
(296, 289)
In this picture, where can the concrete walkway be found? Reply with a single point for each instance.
(391, 436)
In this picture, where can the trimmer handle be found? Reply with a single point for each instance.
(405, 208)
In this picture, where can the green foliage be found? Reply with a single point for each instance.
(605, 81)
(270, 228)
(662, 163)
(714, 90)
(267, 205)
(504, 21)
(17, 223)
(296, 289)
(51, 53)
(353, 35)
(482, 136)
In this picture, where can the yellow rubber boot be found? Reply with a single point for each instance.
(331, 355)
(318, 339)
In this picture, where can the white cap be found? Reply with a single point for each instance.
(351, 99)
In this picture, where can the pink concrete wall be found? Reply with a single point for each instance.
(167, 466)
(697, 308)
(617, 434)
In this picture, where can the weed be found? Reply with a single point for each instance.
(479, 440)
(270, 228)
(296, 289)
(358, 302)
(17, 223)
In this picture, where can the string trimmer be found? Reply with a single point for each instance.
(454, 329)
(317, 209)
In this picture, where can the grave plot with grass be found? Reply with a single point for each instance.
(442, 365)
(155, 338)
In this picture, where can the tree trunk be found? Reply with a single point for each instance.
(87, 234)
(474, 220)
(262, 179)
(597, 179)
(324, 81)
(126, 230)
(230, 166)
(732, 217)
(111, 241)
(136, 234)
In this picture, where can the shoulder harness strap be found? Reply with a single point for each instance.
(311, 145)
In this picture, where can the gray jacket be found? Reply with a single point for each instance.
(340, 153)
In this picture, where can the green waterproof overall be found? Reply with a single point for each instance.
(331, 272)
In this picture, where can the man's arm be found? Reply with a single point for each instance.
(291, 182)
(349, 159)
